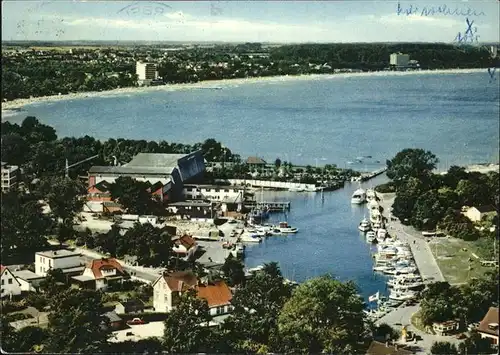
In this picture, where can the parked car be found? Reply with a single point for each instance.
(136, 321)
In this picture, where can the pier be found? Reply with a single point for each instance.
(275, 206)
(368, 176)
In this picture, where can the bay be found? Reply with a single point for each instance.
(333, 120)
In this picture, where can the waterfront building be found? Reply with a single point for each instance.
(399, 60)
(256, 163)
(10, 285)
(217, 193)
(68, 261)
(488, 327)
(166, 173)
(193, 209)
(168, 287)
(98, 274)
(146, 72)
(10, 177)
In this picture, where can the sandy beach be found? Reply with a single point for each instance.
(18, 104)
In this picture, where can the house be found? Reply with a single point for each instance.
(10, 285)
(167, 288)
(10, 177)
(129, 306)
(378, 348)
(29, 280)
(256, 163)
(68, 261)
(477, 214)
(488, 327)
(98, 274)
(185, 246)
(445, 328)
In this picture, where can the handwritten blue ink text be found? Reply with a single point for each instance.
(437, 10)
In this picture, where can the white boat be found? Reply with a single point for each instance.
(402, 270)
(283, 227)
(371, 238)
(371, 195)
(258, 232)
(296, 189)
(364, 226)
(381, 233)
(402, 296)
(250, 238)
(406, 286)
(311, 189)
(358, 197)
(382, 268)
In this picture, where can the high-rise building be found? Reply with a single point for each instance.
(10, 177)
(399, 60)
(146, 71)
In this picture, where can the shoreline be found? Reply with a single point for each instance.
(18, 104)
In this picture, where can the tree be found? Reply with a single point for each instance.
(186, 329)
(53, 283)
(23, 226)
(410, 162)
(427, 211)
(444, 348)
(454, 175)
(277, 163)
(15, 149)
(233, 271)
(323, 315)
(475, 344)
(75, 323)
(438, 303)
(64, 197)
(256, 308)
(406, 197)
(29, 338)
(131, 194)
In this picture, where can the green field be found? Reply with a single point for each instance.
(452, 256)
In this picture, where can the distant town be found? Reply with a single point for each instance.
(44, 69)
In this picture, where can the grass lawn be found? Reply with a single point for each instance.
(452, 256)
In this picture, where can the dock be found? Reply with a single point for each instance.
(275, 206)
(371, 175)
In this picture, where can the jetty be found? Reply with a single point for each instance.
(274, 206)
(368, 176)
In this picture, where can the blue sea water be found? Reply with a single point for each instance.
(330, 120)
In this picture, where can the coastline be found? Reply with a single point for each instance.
(18, 104)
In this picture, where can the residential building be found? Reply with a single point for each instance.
(196, 209)
(256, 163)
(166, 173)
(100, 273)
(29, 280)
(185, 246)
(399, 60)
(10, 285)
(488, 327)
(230, 194)
(146, 71)
(115, 321)
(10, 177)
(68, 261)
(168, 287)
(129, 306)
(445, 328)
(477, 214)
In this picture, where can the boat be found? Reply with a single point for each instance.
(402, 296)
(295, 189)
(311, 189)
(358, 197)
(382, 268)
(371, 195)
(364, 225)
(258, 232)
(250, 238)
(405, 286)
(284, 227)
(381, 233)
(371, 237)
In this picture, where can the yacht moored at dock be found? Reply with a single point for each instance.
(358, 197)
(284, 227)
(364, 225)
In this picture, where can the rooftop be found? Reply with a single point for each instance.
(486, 209)
(55, 254)
(489, 324)
(155, 160)
(175, 279)
(27, 275)
(222, 187)
(377, 348)
(256, 161)
(97, 265)
(200, 203)
(216, 294)
(132, 170)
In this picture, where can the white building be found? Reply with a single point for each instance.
(399, 59)
(10, 285)
(168, 287)
(488, 327)
(477, 214)
(230, 194)
(10, 177)
(29, 280)
(146, 71)
(100, 273)
(66, 260)
(185, 246)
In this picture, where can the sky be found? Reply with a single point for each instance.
(250, 21)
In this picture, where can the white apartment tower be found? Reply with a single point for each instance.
(146, 71)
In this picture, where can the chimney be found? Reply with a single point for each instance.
(181, 284)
